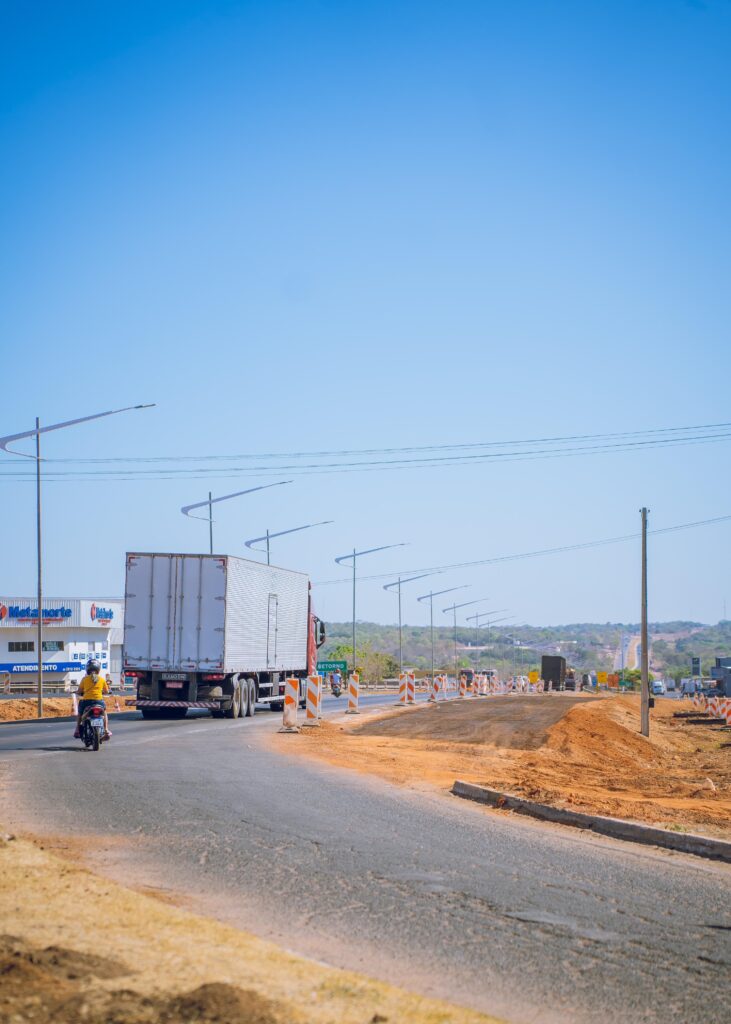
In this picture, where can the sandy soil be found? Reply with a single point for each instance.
(18, 709)
(82, 948)
(567, 750)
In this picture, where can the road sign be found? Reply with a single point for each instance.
(533, 676)
(695, 666)
(332, 666)
(601, 678)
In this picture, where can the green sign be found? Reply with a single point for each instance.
(332, 666)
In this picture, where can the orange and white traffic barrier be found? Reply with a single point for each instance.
(403, 688)
(116, 704)
(434, 694)
(311, 708)
(75, 703)
(712, 707)
(353, 693)
(463, 685)
(291, 700)
(410, 688)
(319, 695)
(727, 711)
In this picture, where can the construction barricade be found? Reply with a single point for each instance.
(353, 694)
(410, 688)
(291, 700)
(312, 716)
(403, 689)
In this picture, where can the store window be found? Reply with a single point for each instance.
(53, 645)
(21, 646)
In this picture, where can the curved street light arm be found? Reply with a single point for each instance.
(282, 533)
(5, 441)
(368, 551)
(490, 611)
(203, 504)
(436, 593)
(409, 579)
(454, 607)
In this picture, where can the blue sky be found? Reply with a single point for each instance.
(316, 225)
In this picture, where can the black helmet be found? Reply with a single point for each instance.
(93, 665)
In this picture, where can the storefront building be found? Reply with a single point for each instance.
(74, 630)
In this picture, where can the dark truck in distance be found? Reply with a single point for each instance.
(553, 671)
(215, 632)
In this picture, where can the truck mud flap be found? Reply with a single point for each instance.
(174, 703)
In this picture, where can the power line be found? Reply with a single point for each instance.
(391, 451)
(309, 469)
(533, 554)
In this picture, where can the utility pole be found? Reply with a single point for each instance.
(645, 676)
(40, 568)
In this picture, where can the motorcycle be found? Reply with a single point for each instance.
(91, 729)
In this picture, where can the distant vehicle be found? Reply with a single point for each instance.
(216, 632)
(553, 671)
(658, 688)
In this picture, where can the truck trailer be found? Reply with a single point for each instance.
(553, 671)
(215, 632)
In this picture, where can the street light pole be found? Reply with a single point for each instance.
(355, 556)
(430, 597)
(388, 586)
(39, 563)
(645, 661)
(453, 608)
(36, 432)
(281, 533)
(210, 523)
(211, 501)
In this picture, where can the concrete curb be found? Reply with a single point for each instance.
(683, 842)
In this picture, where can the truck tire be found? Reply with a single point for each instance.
(235, 709)
(251, 703)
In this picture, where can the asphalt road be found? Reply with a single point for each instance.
(529, 921)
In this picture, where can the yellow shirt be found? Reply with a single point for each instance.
(92, 689)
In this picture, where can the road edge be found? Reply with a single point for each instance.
(617, 828)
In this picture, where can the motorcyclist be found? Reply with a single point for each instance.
(91, 691)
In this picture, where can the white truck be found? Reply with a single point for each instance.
(215, 632)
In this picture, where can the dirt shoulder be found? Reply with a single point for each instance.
(81, 947)
(21, 709)
(561, 749)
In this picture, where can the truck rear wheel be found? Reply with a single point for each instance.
(235, 709)
(251, 703)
